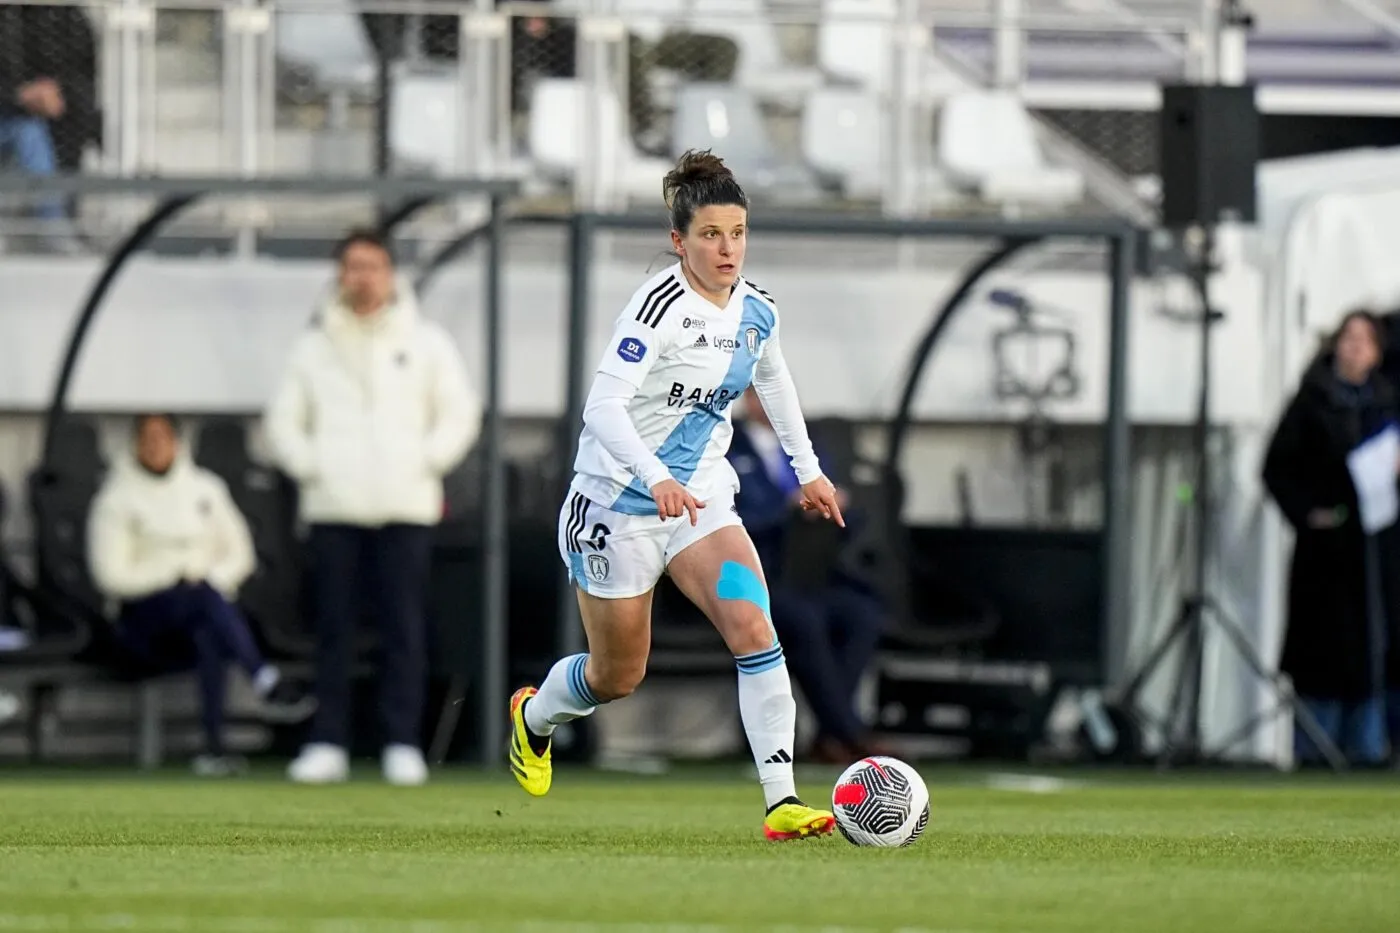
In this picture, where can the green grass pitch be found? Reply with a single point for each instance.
(85, 851)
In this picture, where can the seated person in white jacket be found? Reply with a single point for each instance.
(374, 410)
(167, 543)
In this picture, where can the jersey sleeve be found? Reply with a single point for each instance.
(643, 333)
(778, 393)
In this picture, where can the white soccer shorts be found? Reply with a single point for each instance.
(614, 556)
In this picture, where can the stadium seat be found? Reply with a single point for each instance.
(843, 136)
(330, 45)
(273, 597)
(987, 144)
(425, 120)
(855, 46)
(326, 51)
(52, 633)
(854, 42)
(726, 118)
(557, 111)
(60, 497)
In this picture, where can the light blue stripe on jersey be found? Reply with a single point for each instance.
(685, 445)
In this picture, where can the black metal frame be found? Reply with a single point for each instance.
(413, 194)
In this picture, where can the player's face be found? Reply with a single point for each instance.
(713, 248)
(156, 444)
(366, 277)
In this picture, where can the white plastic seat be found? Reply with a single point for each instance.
(843, 138)
(725, 118)
(986, 143)
(855, 41)
(424, 119)
(332, 45)
(559, 108)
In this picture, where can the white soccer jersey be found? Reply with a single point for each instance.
(689, 360)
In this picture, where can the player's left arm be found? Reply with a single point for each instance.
(776, 390)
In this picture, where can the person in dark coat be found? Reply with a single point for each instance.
(829, 633)
(1344, 584)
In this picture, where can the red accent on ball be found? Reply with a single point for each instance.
(849, 795)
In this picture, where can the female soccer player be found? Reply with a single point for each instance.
(653, 492)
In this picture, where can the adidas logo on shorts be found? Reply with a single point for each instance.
(700, 342)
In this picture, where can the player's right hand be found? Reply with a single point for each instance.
(672, 501)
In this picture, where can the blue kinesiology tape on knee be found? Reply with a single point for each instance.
(739, 582)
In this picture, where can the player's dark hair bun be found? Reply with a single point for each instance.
(699, 179)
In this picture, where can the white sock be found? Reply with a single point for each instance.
(770, 719)
(563, 696)
(265, 679)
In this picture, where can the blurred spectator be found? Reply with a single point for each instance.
(829, 632)
(373, 411)
(48, 106)
(166, 541)
(1344, 583)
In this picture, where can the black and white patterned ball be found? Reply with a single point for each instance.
(880, 801)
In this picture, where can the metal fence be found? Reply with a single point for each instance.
(583, 102)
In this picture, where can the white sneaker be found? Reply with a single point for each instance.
(320, 763)
(404, 766)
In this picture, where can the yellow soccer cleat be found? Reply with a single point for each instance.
(533, 771)
(796, 820)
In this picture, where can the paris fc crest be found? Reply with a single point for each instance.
(751, 339)
(597, 567)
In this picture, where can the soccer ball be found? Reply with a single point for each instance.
(880, 801)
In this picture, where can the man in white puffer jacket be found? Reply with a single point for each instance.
(374, 410)
(166, 542)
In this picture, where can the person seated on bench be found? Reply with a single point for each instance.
(167, 543)
(828, 623)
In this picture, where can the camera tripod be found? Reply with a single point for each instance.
(1180, 728)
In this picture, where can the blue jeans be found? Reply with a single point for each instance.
(27, 140)
(1359, 728)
